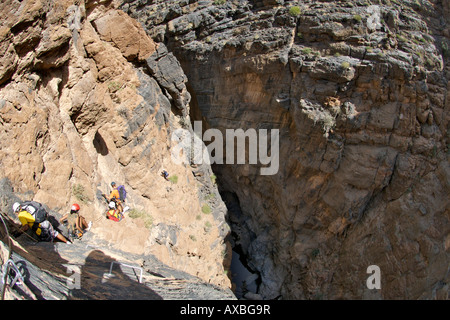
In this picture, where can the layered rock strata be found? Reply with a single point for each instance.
(359, 92)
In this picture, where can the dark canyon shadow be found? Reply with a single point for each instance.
(245, 280)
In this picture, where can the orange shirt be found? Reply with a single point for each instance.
(114, 194)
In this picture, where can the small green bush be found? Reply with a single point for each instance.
(210, 196)
(114, 86)
(79, 192)
(307, 50)
(219, 2)
(208, 226)
(206, 209)
(295, 11)
(345, 65)
(173, 179)
(147, 218)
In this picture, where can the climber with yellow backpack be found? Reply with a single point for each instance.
(32, 215)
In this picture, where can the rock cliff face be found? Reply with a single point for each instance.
(359, 92)
(86, 98)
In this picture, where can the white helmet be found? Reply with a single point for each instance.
(16, 206)
(112, 204)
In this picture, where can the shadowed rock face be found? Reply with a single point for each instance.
(359, 94)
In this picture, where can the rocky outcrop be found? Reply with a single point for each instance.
(359, 92)
(86, 98)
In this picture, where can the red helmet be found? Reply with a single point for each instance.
(75, 207)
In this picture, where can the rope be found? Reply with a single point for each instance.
(3, 216)
(97, 219)
(18, 229)
(25, 288)
(7, 234)
(2, 297)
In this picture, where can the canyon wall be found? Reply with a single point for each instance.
(359, 92)
(86, 98)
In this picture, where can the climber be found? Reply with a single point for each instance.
(165, 175)
(76, 224)
(31, 216)
(113, 213)
(115, 197)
